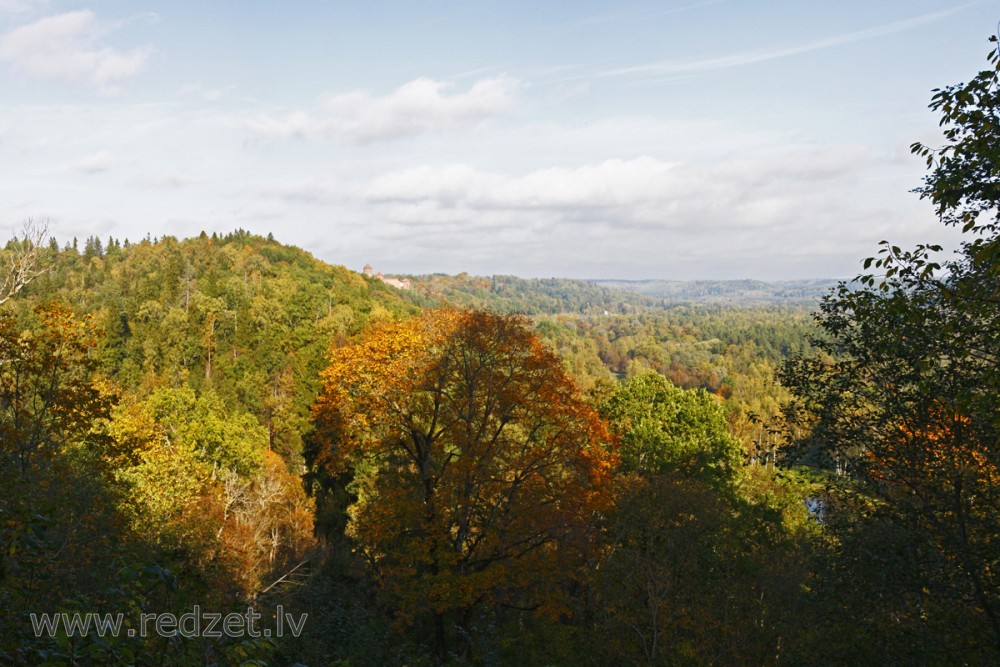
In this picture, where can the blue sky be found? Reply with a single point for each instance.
(715, 139)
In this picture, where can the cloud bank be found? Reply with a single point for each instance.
(650, 214)
(633, 190)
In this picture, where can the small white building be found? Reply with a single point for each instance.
(392, 282)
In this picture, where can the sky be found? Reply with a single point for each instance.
(631, 139)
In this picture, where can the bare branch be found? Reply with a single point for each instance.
(21, 258)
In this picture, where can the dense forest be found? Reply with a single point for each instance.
(195, 365)
(505, 471)
(735, 292)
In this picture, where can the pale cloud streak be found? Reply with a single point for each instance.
(19, 6)
(422, 106)
(686, 67)
(600, 20)
(71, 48)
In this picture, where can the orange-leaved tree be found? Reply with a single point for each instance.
(478, 470)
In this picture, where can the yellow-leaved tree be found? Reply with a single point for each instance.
(478, 470)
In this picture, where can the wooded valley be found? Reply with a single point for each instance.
(496, 470)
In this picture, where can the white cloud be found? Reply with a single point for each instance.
(608, 184)
(70, 47)
(93, 164)
(421, 106)
(636, 190)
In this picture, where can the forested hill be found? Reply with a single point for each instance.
(154, 401)
(251, 319)
(245, 323)
(805, 293)
(248, 318)
(594, 297)
(176, 383)
(528, 296)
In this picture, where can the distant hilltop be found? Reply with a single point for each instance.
(388, 280)
(807, 292)
(540, 296)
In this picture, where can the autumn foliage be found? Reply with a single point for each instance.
(936, 450)
(477, 468)
(47, 390)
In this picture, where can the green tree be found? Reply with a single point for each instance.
(964, 179)
(905, 389)
(666, 429)
(234, 441)
(703, 556)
